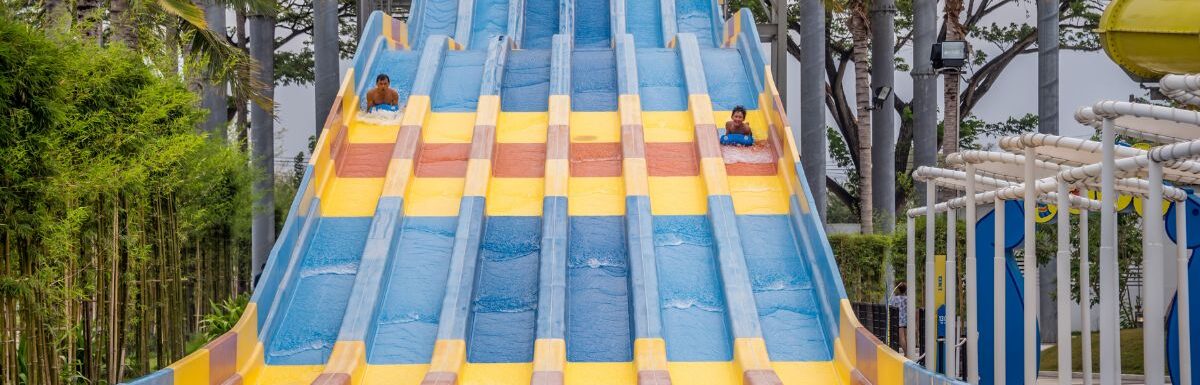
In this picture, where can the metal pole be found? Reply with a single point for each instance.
(1182, 293)
(812, 99)
(1110, 351)
(910, 278)
(924, 86)
(883, 147)
(1152, 294)
(1030, 343)
(930, 245)
(1063, 271)
(972, 280)
(779, 48)
(951, 294)
(1085, 296)
(999, 268)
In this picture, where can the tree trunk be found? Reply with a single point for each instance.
(954, 31)
(325, 57)
(262, 135)
(862, 92)
(124, 25)
(88, 20)
(213, 94)
(242, 124)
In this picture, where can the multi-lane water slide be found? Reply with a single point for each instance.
(553, 207)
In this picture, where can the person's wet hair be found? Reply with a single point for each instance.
(738, 109)
(382, 77)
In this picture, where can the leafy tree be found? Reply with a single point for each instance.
(120, 223)
(1006, 41)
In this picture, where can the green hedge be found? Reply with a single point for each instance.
(862, 260)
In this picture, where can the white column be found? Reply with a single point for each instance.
(951, 341)
(1110, 351)
(972, 292)
(1183, 306)
(1085, 296)
(910, 282)
(1063, 272)
(1152, 267)
(999, 274)
(1030, 343)
(930, 245)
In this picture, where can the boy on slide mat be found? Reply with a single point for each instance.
(737, 132)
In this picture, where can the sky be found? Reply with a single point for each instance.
(1085, 78)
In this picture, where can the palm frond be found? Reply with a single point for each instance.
(186, 10)
(253, 7)
(215, 57)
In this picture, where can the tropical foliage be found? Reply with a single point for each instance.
(119, 224)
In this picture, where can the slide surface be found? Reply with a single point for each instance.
(552, 206)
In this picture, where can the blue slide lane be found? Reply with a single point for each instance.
(643, 19)
(593, 80)
(695, 323)
(401, 69)
(313, 314)
(660, 80)
(728, 83)
(541, 23)
(526, 83)
(695, 17)
(438, 18)
(598, 290)
(457, 87)
(406, 317)
(490, 20)
(783, 290)
(592, 26)
(504, 310)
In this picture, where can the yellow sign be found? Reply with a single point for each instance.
(1045, 213)
(1141, 202)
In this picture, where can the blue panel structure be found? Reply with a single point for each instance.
(783, 290)
(319, 293)
(541, 23)
(406, 317)
(695, 322)
(504, 309)
(643, 19)
(1013, 297)
(457, 88)
(593, 80)
(1193, 238)
(598, 290)
(401, 69)
(526, 83)
(490, 20)
(592, 24)
(696, 17)
(660, 80)
(729, 84)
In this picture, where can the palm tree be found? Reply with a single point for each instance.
(860, 34)
(325, 57)
(262, 142)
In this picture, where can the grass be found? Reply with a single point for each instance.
(1131, 353)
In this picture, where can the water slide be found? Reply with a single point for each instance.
(552, 207)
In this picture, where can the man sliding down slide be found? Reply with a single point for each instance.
(383, 97)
